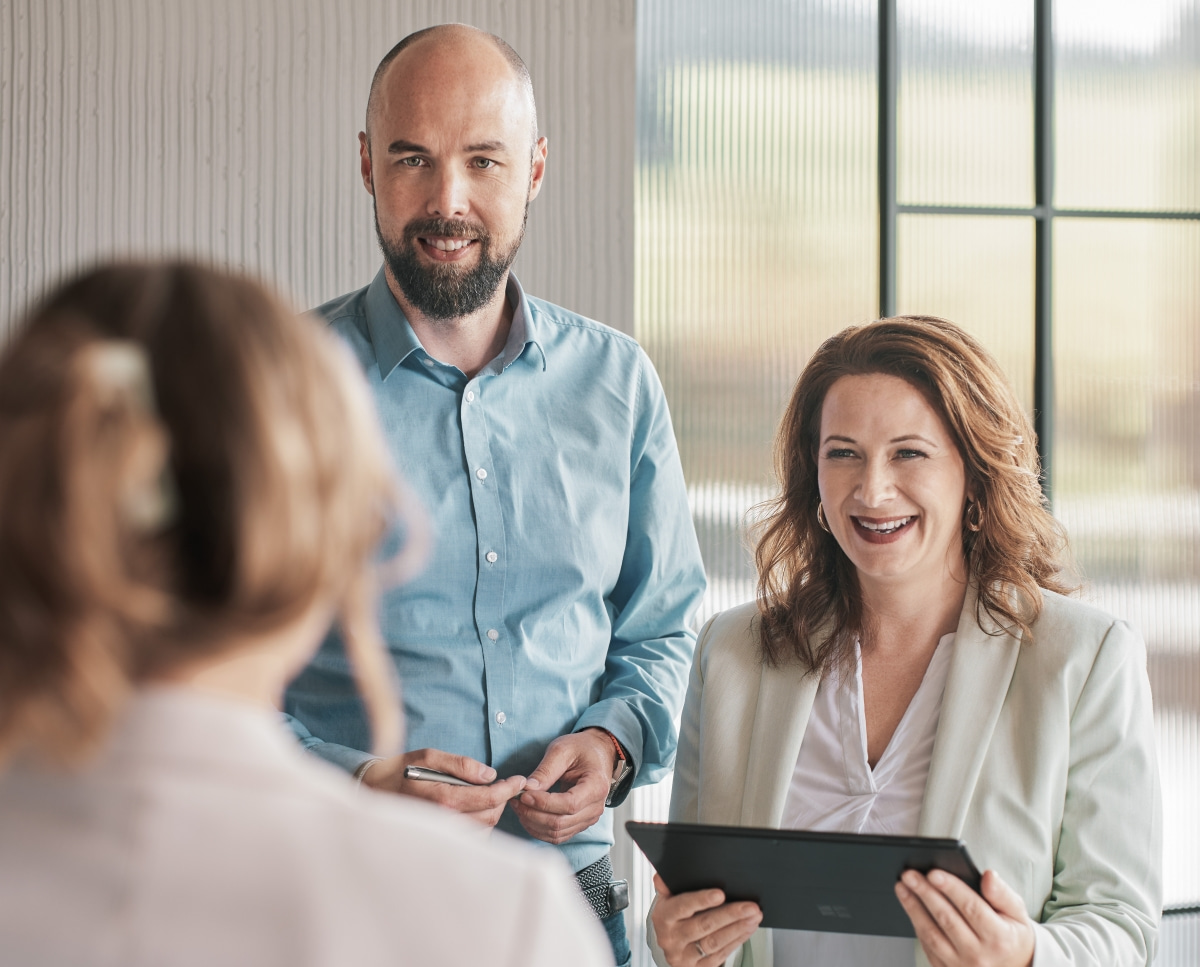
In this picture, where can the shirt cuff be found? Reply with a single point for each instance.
(615, 718)
(342, 756)
(362, 770)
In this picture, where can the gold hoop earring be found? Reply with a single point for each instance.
(975, 525)
(821, 518)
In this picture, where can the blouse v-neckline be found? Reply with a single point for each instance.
(834, 788)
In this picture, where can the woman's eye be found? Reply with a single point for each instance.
(839, 453)
(909, 454)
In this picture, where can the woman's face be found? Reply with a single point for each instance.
(892, 482)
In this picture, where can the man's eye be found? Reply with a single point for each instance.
(484, 163)
(412, 161)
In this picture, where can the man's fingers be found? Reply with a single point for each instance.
(484, 804)
(460, 766)
(483, 799)
(555, 762)
(556, 828)
(587, 792)
(573, 757)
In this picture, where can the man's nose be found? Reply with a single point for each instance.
(450, 196)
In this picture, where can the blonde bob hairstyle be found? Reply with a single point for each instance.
(808, 593)
(184, 464)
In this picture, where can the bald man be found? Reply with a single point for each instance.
(545, 648)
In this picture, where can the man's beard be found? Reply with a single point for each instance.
(446, 291)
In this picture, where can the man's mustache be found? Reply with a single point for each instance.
(444, 228)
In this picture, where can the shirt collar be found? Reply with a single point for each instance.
(394, 339)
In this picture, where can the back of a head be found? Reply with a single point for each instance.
(183, 463)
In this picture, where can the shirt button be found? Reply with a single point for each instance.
(501, 718)
(470, 396)
(492, 557)
(493, 634)
(481, 473)
(427, 362)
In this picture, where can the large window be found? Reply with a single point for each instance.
(1031, 172)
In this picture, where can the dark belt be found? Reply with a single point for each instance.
(604, 895)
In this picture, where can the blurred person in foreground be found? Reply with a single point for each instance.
(911, 666)
(192, 486)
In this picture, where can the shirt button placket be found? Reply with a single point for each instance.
(489, 596)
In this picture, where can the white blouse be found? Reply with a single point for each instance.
(834, 789)
(202, 835)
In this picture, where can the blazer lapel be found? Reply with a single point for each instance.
(981, 668)
(785, 700)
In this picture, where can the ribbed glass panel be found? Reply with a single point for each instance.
(1127, 459)
(1128, 104)
(965, 108)
(977, 272)
(755, 212)
(756, 228)
(1179, 938)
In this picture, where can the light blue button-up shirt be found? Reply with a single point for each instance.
(565, 569)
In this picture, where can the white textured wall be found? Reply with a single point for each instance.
(227, 129)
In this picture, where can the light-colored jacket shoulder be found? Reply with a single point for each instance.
(730, 636)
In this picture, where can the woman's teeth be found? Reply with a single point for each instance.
(886, 527)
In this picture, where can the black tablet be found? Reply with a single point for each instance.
(832, 882)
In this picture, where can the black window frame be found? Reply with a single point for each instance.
(1043, 212)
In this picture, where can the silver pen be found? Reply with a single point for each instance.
(432, 775)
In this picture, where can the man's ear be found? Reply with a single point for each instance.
(538, 171)
(364, 157)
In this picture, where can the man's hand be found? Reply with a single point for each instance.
(583, 763)
(483, 801)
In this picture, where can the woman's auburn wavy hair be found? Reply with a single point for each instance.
(808, 593)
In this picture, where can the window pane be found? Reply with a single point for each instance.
(1128, 104)
(1127, 470)
(965, 109)
(977, 272)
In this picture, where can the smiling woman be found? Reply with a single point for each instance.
(912, 667)
(892, 483)
(893, 380)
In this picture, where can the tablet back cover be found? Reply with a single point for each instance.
(831, 882)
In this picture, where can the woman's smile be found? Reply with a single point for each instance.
(883, 531)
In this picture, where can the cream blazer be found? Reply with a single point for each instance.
(1043, 764)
